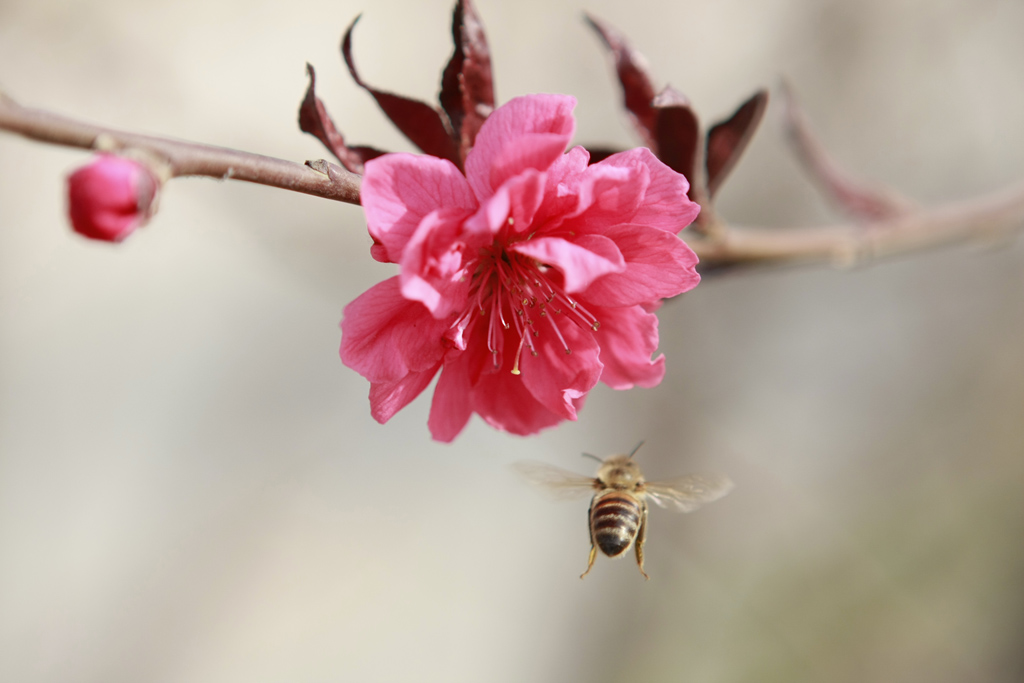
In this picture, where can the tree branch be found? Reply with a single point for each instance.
(914, 229)
(327, 180)
(886, 224)
(989, 217)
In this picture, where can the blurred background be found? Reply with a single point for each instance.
(191, 485)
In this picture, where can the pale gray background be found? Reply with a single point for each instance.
(191, 486)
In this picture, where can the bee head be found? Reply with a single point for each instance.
(620, 470)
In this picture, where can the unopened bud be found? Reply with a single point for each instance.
(110, 197)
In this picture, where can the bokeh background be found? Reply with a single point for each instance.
(191, 486)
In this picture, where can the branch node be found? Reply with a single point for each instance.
(848, 255)
(320, 166)
(105, 143)
(712, 226)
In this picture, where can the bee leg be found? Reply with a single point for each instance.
(590, 562)
(641, 538)
(593, 546)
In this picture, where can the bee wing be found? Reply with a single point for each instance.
(686, 494)
(556, 482)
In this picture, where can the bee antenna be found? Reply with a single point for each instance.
(633, 452)
(591, 455)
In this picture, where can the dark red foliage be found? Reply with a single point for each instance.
(861, 200)
(668, 124)
(677, 133)
(728, 139)
(665, 121)
(314, 119)
(448, 131)
(425, 126)
(600, 153)
(637, 90)
(467, 86)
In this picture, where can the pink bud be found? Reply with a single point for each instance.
(110, 197)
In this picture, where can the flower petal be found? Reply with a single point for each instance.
(665, 203)
(512, 206)
(614, 190)
(525, 194)
(606, 195)
(560, 190)
(658, 265)
(400, 190)
(498, 396)
(535, 151)
(505, 403)
(433, 268)
(527, 132)
(387, 398)
(581, 261)
(384, 336)
(628, 337)
(556, 377)
(452, 405)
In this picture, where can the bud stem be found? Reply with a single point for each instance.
(182, 158)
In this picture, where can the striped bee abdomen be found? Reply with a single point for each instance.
(614, 521)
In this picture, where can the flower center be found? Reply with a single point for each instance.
(513, 292)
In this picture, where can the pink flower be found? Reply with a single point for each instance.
(110, 197)
(523, 282)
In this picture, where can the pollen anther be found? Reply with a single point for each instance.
(507, 279)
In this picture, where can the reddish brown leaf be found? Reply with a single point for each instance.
(601, 153)
(467, 86)
(366, 153)
(637, 90)
(727, 139)
(855, 197)
(676, 134)
(451, 98)
(314, 119)
(424, 125)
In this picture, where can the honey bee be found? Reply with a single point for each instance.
(618, 510)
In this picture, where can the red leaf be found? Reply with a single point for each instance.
(854, 196)
(366, 153)
(600, 153)
(467, 86)
(424, 125)
(727, 139)
(677, 133)
(637, 90)
(314, 119)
